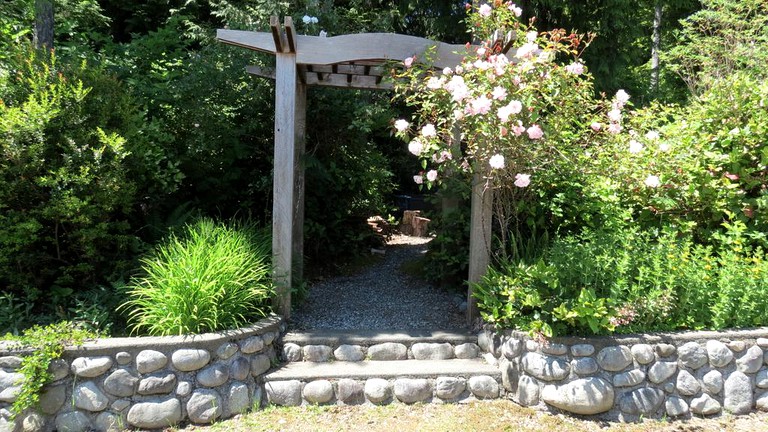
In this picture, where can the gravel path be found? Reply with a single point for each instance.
(380, 297)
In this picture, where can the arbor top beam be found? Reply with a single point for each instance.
(356, 59)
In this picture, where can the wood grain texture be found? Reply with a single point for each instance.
(479, 239)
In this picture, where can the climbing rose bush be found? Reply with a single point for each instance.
(503, 114)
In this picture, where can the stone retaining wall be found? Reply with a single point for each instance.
(625, 378)
(148, 382)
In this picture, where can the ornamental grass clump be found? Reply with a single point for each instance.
(212, 277)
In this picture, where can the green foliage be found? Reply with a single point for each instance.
(67, 190)
(44, 344)
(628, 281)
(724, 37)
(212, 277)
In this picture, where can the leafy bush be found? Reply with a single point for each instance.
(45, 345)
(212, 277)
(629, 281)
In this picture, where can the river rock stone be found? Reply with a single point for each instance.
(317, 353)
(157, 384)
(108, 422)
(269, 337)
(120, 405)
(318, 392)
(10, 362)
(643, 353)
(123, 358)
(10, 383)
(378, 390)
(661, 370)
(762, 402)
(669, 388)
(190, 359)
(260, 364)
(239, 398)
(687, 384)
(751, 361)
(32, 422)
(489, 342)
(90, 367)
(738, 393)
(643, 401)
(74, 421)
(10, 394)
(705, 405)
(213, 376)
(762, 342)
(184, 388)
(285, 393)
(719, 354)
(483, 387)
(388, 351)
(240, 369)
(629, 379)
(528, 391)
(665, 350)
(52, 399)
(351, 353)
(409, 390)
(467, 351)
(121, 383)
(554, 349)
(676, 406)
(531, 346)
(713, 382)
(292, 352)
(155, 414)
(252, 345)
(512, 348)
(692, 355)
(449, 388)
(582, 350)
(737, 346)
(226, 350)
(87, 396)
(545, 367)
(582, 396)
(584, 366)
(205, 406)
(149, 361)
(349, 391)
(59, 368)
(615, 358)
(432, 351)
(761, 380)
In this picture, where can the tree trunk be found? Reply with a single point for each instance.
(44, 24)
(655, 49)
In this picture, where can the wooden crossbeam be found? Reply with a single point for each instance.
(368, 82)
(277, 33)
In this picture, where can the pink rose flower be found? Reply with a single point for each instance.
(596, 126)
(614, 128)
(401, 125)
(431, 175)
(428, 130)
(515, 10)
(418, 179)
(484, 11)
(499, 93)
(496, 161)
(522, 180)
(415, 147)
(575, 68)
(652, 181)
(635, 146)
(535, 132)
(519, 129)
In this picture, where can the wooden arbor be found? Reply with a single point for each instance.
(353, 61)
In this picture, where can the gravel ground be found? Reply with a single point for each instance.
(380, 297)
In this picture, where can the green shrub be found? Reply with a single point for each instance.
(212, 277)
(629, 281)
(45, 345)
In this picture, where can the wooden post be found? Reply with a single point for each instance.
(284, 181)
(298, 210)
(479, 238)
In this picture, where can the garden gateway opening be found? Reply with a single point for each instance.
(355, 61)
